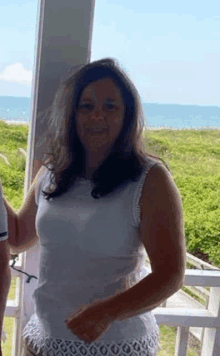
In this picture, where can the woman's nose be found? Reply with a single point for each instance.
(97, 118)
(98, 110)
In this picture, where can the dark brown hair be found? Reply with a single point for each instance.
(65, 153)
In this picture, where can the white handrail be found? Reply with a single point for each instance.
(198, 262)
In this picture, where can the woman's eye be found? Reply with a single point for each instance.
(110, 105)
(84, 105)
(88, 106)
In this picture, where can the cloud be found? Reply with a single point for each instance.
(16, 73)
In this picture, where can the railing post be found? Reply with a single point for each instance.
(181, 341)
(216, 350)
(211, 340)
(203, 329)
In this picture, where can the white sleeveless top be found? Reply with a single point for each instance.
(90, 249)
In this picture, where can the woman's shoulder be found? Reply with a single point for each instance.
(152, 161)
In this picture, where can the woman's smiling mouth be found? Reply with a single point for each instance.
(97, 131)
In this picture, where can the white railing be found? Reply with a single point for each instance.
(203, 318)
(183, 318)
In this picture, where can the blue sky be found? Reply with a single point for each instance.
(170, 49)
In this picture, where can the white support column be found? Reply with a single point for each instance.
(211, 339)
(64, 41)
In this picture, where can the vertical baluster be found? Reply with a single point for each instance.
(211, 340)
(181, 341)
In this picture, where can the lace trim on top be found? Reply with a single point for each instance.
(140, 346)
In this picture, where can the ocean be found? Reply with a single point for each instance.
(174, 116)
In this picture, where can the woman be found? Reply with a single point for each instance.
(98, 204)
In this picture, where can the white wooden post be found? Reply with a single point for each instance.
(211, 339)
(63, 41)
(181, 341)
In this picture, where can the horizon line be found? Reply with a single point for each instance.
(147, 103)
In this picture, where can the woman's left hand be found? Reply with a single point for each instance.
(91, 321)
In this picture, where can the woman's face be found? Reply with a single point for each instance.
(100, 115)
